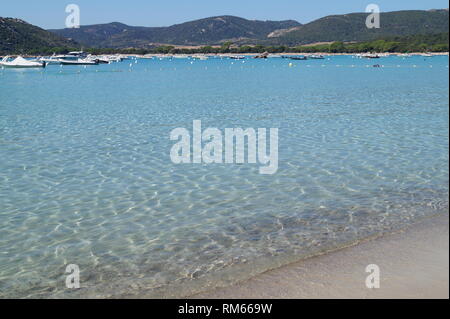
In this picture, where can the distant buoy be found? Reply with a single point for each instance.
(291, 65)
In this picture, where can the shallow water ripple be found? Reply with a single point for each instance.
(86, 178)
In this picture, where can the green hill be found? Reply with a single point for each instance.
(17, 36)
(352, 27)
(400, 30)
(213, 30)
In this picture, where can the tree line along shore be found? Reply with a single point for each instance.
(437, 43)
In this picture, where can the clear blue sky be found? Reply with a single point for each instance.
(51, 13)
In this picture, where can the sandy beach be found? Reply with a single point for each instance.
(414, 263)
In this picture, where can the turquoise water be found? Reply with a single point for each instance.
(86, 176)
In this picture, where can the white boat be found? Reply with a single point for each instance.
(58, 59)
(20, 62)
(106, 59)
(100, 59)
(115, 58)
(235, 57)
(316, 57)
(78, 54)
(50, 60)
(370, 56)
(79, 62)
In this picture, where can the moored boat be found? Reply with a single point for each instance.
(80, 62)
(236, 57)
(51, 60)
(298, 58)
(20, 62)
(105, 59)
(371, 56)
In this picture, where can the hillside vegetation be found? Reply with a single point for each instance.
(215, 30)
(17, 36)
(352, 27)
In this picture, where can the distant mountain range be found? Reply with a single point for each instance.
(352, 27)
(215, 30)
(18, 36)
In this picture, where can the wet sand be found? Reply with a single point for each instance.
(414, 263)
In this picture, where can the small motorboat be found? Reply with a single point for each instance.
(53, 60)
(316, 57)
(80, 62)
(371, 56)
(298, 58)
(20, 62)
(115, 58)
(236, 57)
(58, 59)
(105, 59)
(102, 60)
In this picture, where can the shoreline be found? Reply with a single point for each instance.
(414, 263)
(386, 54)
(383, 54)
